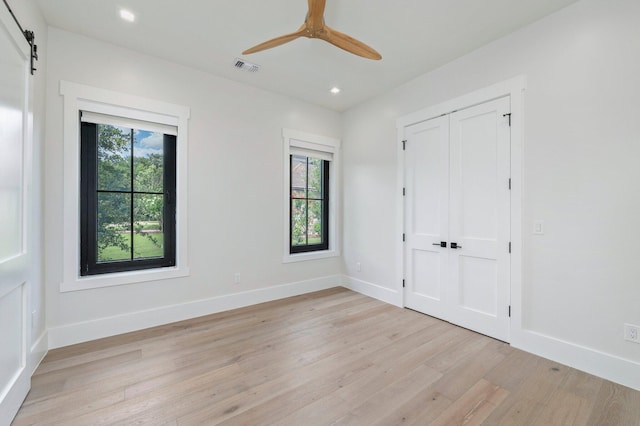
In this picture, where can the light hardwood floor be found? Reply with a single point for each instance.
(333, 357)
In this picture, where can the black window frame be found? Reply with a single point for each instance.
(89, 208)
(324, 245)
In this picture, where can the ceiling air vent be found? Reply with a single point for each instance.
(245, 66)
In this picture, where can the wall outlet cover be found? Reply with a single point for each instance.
(631, 333)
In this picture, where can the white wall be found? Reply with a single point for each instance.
(31, 19)
(234, 200)
(581, 176)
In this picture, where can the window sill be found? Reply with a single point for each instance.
(122, 278)
(301, 257)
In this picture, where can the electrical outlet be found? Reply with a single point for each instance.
(631, 333)
(358, 266)
(236, 278)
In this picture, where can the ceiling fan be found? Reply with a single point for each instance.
(314, 27)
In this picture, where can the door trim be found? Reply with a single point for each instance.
(514, 88)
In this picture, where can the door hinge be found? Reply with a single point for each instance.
(508, 115)
(509, 311)
(509, 184)
(509, 246)
(402, 283)
(403, 237)
(404, 192)
(404, 145)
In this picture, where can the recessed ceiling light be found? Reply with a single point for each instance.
(335, 90)
(127, 15)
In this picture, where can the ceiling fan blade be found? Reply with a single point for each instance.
(314, 27)
(275, 41)
(348, 43)
(315, 17)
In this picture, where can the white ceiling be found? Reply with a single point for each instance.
(413, 36)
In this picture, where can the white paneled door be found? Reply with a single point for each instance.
(14, 78)
(457, 217)
(427, 216)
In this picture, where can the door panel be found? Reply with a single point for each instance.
(426, 274)
(10, 315)
(12, 104)
(474, 162)
(476, 280)
(457, 171)
(426, 182)
(14, 377)
(426, 216)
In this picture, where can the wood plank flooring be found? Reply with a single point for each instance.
(333, 357)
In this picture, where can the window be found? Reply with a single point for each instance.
(128, 188)
(311, 194)
(309, 207)
(143, 116)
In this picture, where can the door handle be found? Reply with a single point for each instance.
(455, 246)
(441, 244)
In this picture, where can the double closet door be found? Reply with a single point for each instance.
(457, 217)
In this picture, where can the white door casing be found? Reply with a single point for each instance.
(14, 256)
(457, 170)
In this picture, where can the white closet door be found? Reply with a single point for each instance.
(14, 377)
(480, 218)
(457, 171)
(426, 216)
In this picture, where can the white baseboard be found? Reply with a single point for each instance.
(104, 327)
(393, 297)
(606, 366)
(38, 351)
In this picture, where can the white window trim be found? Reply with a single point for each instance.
(78, 98)
(293, 139)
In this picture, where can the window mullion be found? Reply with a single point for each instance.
(306, 221)
(325, 203)
(290, 202)
(131, 199)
